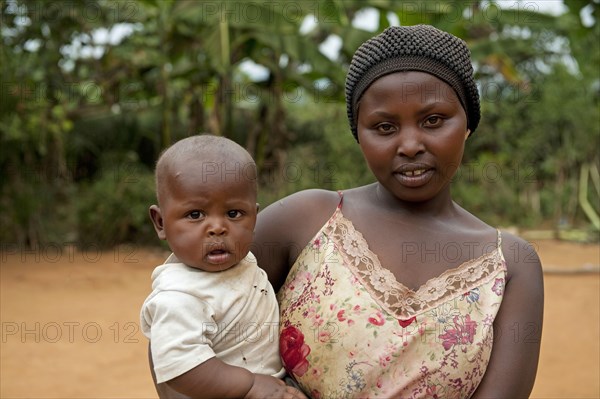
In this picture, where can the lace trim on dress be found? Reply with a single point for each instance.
(393, 296)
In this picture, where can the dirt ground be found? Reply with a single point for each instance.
(69, 323)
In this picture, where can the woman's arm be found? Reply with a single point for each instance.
(211, 377)
(285, 227)
(216, 379)
(518, 326)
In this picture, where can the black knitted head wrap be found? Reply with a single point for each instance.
(413, 48)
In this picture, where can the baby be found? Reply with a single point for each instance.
(212, 317)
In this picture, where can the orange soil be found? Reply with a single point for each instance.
(69, 323)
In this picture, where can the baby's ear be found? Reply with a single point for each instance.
(157, 221)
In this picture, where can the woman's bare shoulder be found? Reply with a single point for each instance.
(286, 226)
(520, 256)
(305, 210)
(307, 198)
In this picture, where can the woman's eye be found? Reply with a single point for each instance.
(385, 128)
(195, 215)
(433, 121)
(234, 214)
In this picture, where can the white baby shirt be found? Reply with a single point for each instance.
(192, 315)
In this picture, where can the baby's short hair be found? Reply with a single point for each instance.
(201, 147)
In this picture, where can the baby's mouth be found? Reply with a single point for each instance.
(218, 255)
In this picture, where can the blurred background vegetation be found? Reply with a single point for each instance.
(93, 90)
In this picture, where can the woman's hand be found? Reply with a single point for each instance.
(267, 387)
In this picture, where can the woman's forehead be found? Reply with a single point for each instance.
(412, 85)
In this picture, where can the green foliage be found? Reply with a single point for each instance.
(544, 133)
(71, 121)
(35, 211)
(113, 209)
(494, 188)
(323, 153)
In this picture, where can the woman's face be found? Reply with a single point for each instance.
(412, 131)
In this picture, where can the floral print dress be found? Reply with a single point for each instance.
(349, 329)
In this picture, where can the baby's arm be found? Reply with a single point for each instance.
(216, 379)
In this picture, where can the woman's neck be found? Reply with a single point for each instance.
(439, 206)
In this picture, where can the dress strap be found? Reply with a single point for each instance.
(338, 210)
(499, 239)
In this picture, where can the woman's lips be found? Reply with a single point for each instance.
(412, 173)
(414, 177)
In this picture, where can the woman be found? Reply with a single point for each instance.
(392, 289)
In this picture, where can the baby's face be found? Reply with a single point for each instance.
(209, 218)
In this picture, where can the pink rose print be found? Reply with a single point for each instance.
(435, 391)
(384, 360)
(324, 336)
(462, 333)
(293, 351)
(377, 319)
(342, 316)
(498, 287)
(317, 243)
(407, 322)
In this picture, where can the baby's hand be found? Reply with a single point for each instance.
(267, 387)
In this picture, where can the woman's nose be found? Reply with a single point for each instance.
(410, 143)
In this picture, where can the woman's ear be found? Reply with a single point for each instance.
(157, 221)
(467, 134)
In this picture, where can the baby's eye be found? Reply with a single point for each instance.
(195, 215)
(234, 214)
